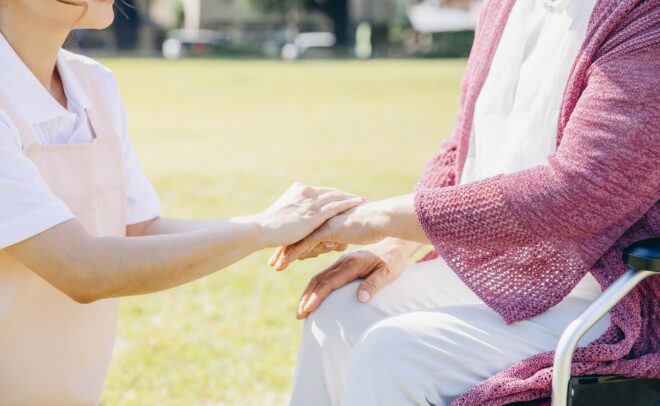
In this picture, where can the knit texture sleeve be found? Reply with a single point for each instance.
(522, 241)
(441, 170)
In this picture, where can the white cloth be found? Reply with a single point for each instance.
(426, 338)
(27, 205)
(516, 113)
(423, 339)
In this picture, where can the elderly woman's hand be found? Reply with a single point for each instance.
(365, 224)
(378, 264)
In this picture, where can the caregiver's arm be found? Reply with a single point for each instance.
(160, 226)
(88, 268)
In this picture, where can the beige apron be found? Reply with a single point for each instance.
(54, 351)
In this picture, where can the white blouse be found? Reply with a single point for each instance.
(516, 113)
(27, 206)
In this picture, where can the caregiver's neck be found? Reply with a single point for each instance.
(36, 42)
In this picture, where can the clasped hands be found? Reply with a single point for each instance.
(389, 229)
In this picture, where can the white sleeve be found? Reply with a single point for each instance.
(27, 205)
(142, 200)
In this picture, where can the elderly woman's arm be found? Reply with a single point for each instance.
(365, 224)
(548, 224)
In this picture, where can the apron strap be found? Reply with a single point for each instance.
(25, 129)
(98, 115)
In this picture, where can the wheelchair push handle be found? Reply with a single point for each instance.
(643, 255)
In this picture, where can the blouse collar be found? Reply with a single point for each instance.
(29, 96)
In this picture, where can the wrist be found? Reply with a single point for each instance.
(255, 230)
(394, 216)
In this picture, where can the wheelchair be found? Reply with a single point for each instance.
(643, 261)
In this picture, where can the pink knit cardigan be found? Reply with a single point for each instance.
(522, 241)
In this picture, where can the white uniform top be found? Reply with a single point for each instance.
(27, 206)
(516, 113)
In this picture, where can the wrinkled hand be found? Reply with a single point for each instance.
(378, 264)
(301, 210)
(360, 225)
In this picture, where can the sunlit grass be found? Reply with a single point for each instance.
(221, 138)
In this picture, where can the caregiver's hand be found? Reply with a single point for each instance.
(378, 264)
(300, 211)
(364, 224)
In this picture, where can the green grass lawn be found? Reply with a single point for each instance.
(223, 138)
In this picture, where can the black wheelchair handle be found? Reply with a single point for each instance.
(643, 255)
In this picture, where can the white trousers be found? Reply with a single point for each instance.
(423, 339)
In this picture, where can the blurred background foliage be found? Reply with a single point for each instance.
(263, 28)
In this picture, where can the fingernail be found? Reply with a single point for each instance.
(311, 301)
(363, 296)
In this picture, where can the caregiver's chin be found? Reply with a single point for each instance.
(62, 16)
(99, 14)
(38, 28)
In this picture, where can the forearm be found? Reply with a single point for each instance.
(160, 226)
(154, 263)
(92, 268)
(398, 219)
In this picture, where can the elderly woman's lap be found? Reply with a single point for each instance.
(425, 338)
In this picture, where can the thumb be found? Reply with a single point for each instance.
(380, 277)
(292, 252)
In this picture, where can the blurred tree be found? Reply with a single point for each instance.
(178, 15)
(336, 10)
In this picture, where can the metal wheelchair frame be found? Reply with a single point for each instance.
(643, 261)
